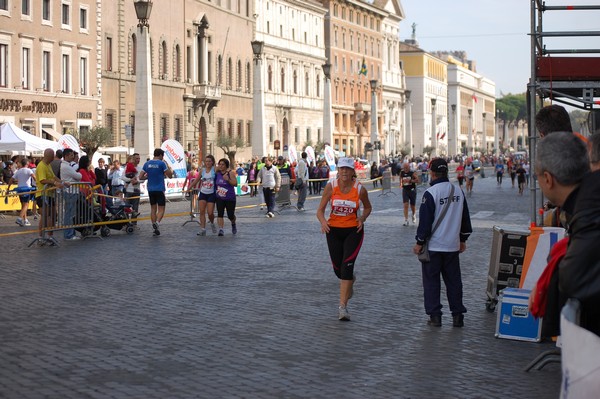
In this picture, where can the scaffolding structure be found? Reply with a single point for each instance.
(562, 75)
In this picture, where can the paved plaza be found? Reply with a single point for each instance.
(254, 315)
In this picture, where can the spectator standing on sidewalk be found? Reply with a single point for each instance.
(155, 171)
(445, 245)
(302, 180)
(70, 194)
(225, 183)
(270, 178)
(115, 175)
(345, 227)
(55, 164)
(48, 183)
(132, 185)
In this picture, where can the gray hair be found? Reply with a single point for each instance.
(564, 156)
(594, 144)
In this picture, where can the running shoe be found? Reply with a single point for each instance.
(234, 229)
(221, 233)
(271, 214)
(19, 221)
(414, 219)
(27, 223)
(74, 238)
(343, 314)
(214, 228)
(405, 222)
(202, 232)
(155, 227)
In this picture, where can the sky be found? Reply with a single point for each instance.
(494, 33)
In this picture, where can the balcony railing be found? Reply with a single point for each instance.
(207, 91)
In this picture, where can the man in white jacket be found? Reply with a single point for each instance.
(70, 194)
(302, 181)
(270, 179)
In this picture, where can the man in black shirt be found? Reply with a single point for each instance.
(408, 182)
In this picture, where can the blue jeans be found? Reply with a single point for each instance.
(302, 191)
(70, 205)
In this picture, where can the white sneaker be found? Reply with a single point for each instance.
(214, 228)
(405, 222)
(414, 219)
(74, 238)
(271, 214)
(202, 232)
(343, 314)
(27, 223)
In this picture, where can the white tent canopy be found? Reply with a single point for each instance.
(116, 150)
(12, 138)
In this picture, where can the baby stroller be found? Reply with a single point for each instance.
(86, 212)
(120, 214)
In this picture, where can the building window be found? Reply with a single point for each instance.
(271, 134)
(4, 5)
(240, 130)
(46, 10)
(229, 73)
(220, 70)
(296, 134)
(163, 66)
(319, 134)
(307, 134)
(25, 7)
(238, 73)
(3, 65)
(83, 75)
(83, 24)
(65, 74)
(306, 85)
(66, 14)
(46, 71)
(26, 67)
(132, 124)
(282, 80)
(249, 133)
(318, 86)
(178, 128)
(133, 55)
(295, 81)
(109, 49)
(230, 128)
(270, 78)
(110, 125)
(177, 72)
(164, 128)
(248, 80)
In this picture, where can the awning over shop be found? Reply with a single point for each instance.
(52, 132)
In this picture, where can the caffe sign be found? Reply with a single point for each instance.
(38, 107)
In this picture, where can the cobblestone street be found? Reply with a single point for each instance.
(255, 315)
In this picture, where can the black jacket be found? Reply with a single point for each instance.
(579, 271)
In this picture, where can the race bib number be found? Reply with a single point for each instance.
(222, 192)
(406, 181)
(343, 207)
(207, 185)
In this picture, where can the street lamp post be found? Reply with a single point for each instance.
(408, 110)
(470, 136)
(327, 120)
(374, 131)
(144, 125)
(454, 137)
(433, 128)
(259, 147)
(484, 140)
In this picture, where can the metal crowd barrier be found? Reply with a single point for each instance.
(194, 206)
(283, 196)
(66, 208)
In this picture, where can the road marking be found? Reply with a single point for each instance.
(482, 215)
(390, 210)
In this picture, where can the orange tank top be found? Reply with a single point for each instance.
(344, 207)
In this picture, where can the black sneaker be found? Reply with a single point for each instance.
(435, 320)
(155, 227)
(458, 320)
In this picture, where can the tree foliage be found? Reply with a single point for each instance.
(428, 149)
(94, 138)
(512, 107)
(230, 146)
(579, 120)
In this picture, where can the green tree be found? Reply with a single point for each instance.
(94, 138)
(230, 146)
(579, 120)
(427, 150)
(512, 109)
(405, 149)
(319, 147)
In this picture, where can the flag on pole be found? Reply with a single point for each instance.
(363, 68)
(474, 97)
